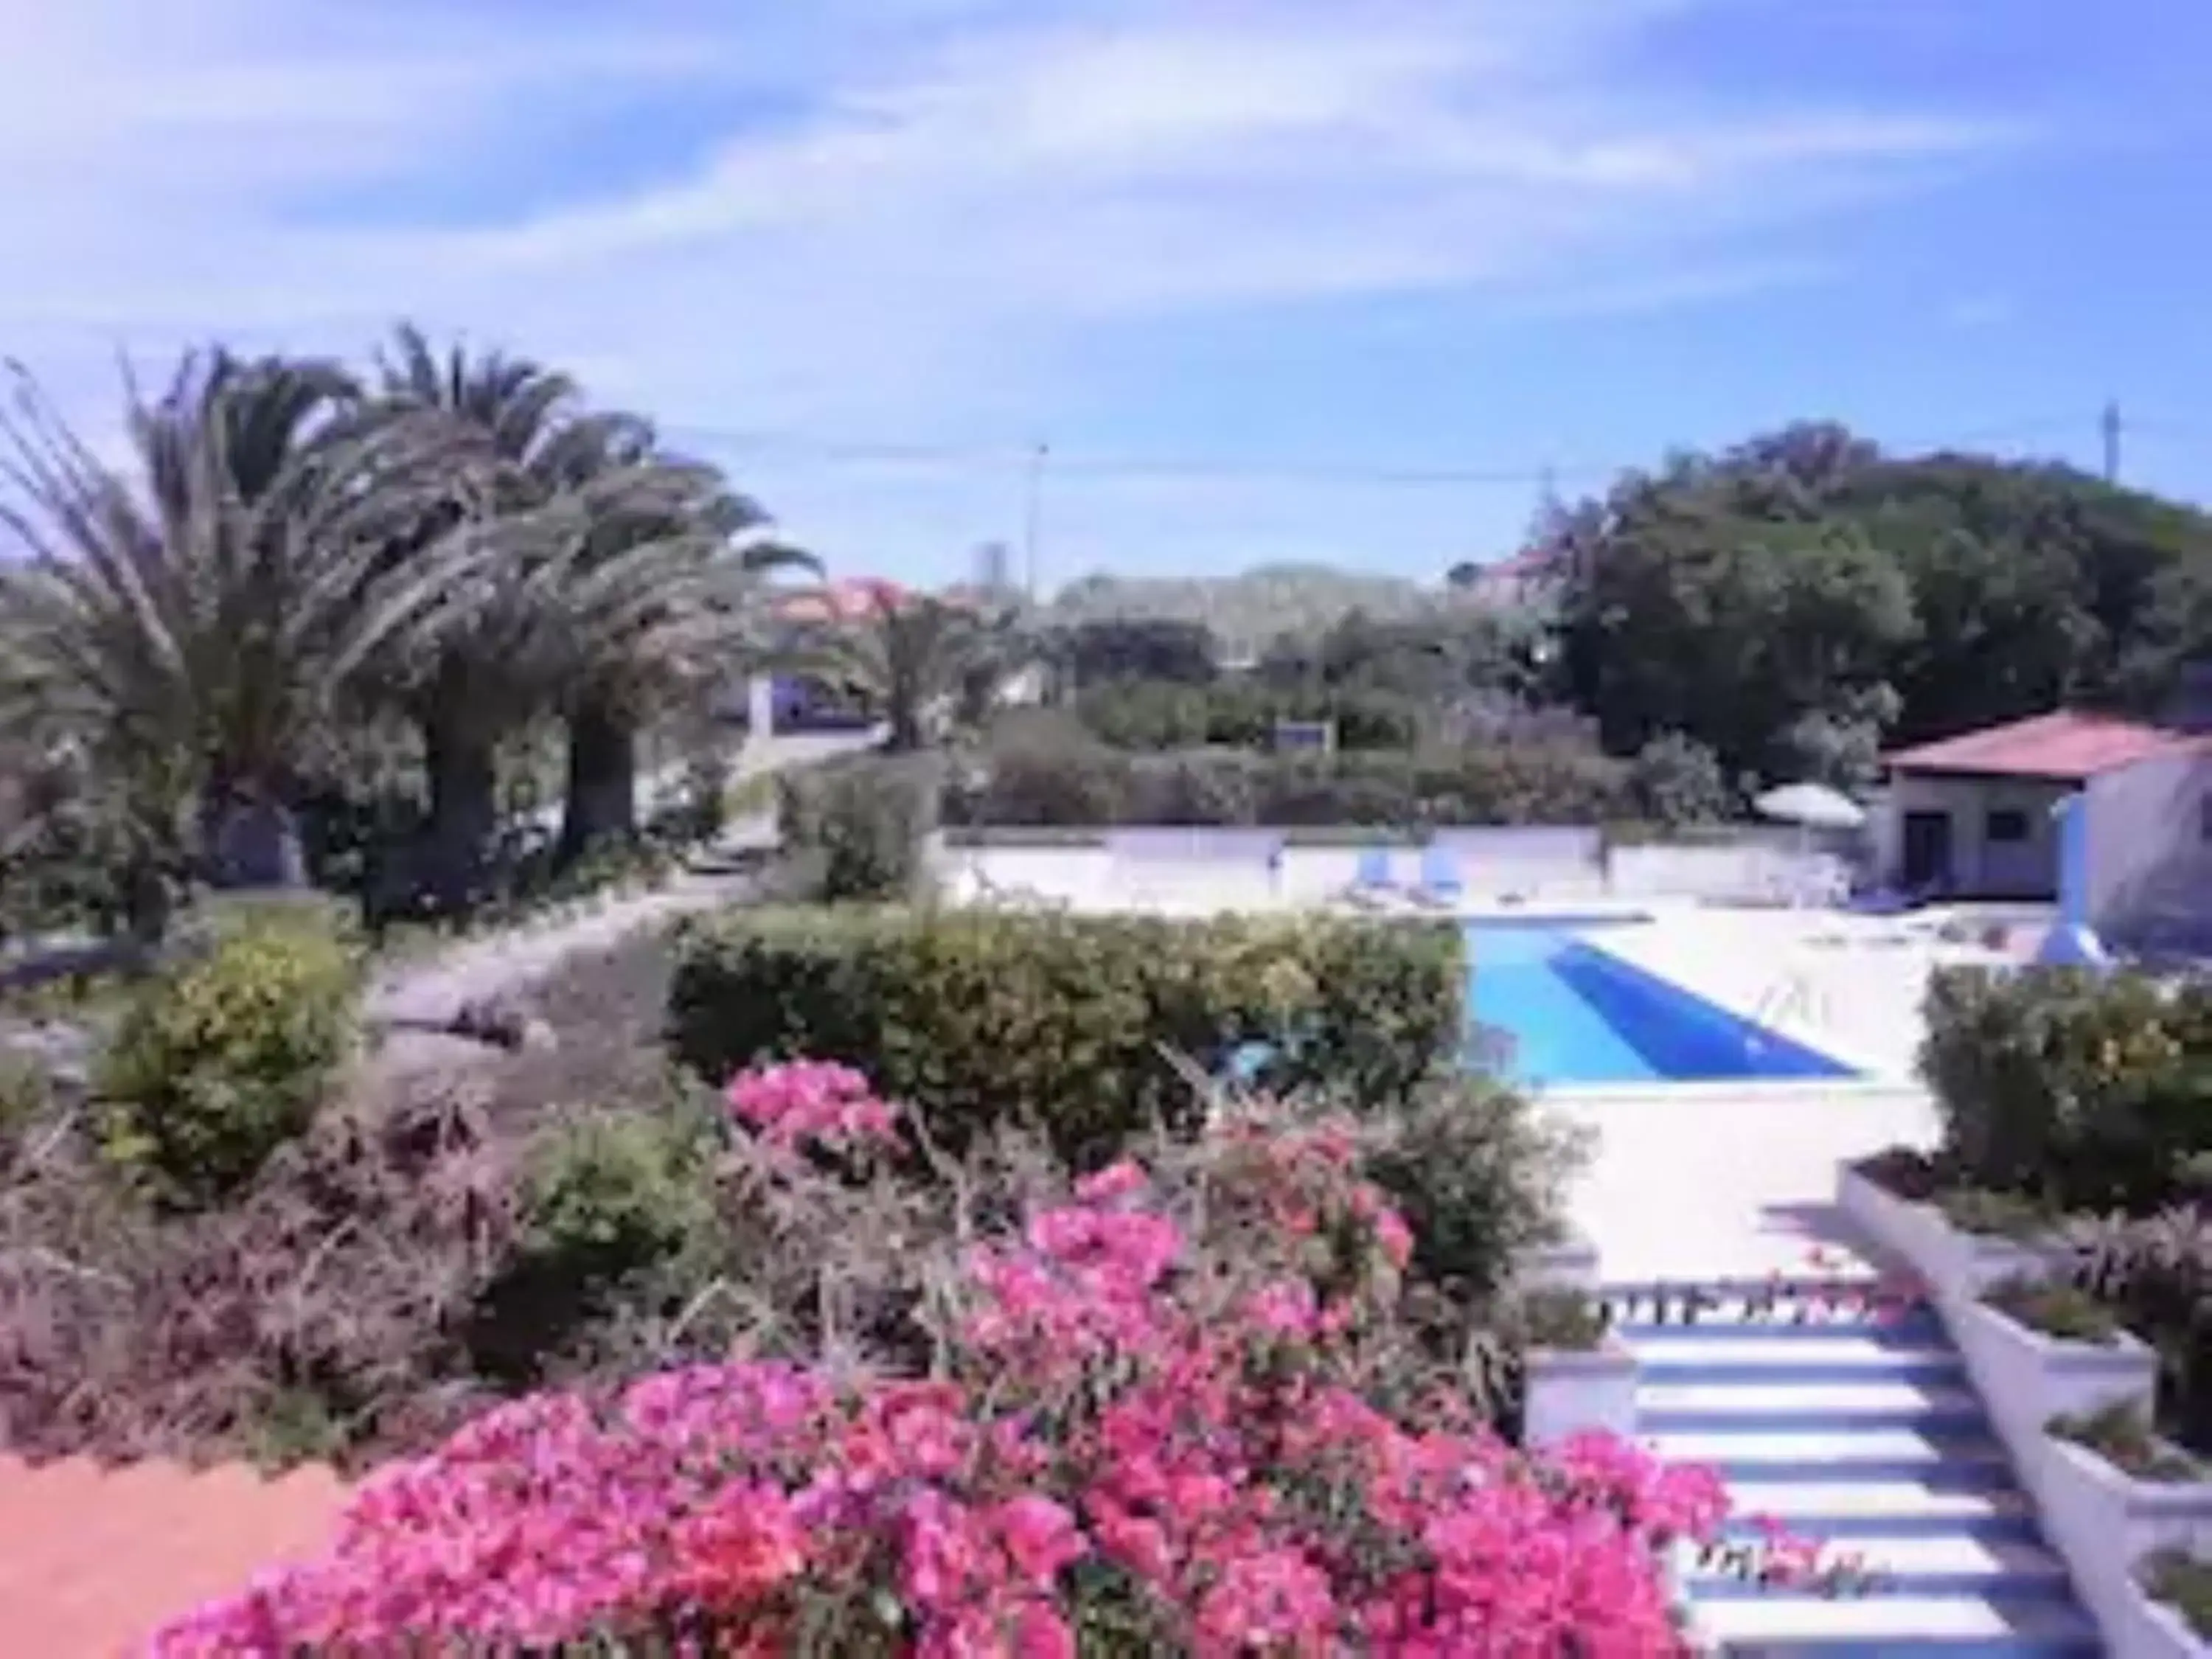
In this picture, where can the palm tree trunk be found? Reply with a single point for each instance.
(460, 760)
(601, 803)
(253, 837)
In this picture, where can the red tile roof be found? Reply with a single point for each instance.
(93, 1559)
(853, 599)
(2067, 746)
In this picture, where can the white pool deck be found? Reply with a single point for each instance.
(1703, 1180)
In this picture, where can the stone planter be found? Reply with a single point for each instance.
(1954, 1267)
(2104, 1520)
(2026, 1378)
(1575, 1392)
(2147, 1629)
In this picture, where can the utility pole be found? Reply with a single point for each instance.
(1033, 518)
(2112, 425)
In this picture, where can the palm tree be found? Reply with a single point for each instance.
(920, 662)
(654, 597)
(191, 620)
(515, 439)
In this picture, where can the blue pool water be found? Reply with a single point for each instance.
(1564, 1010)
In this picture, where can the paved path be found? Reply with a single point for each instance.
(501, 965)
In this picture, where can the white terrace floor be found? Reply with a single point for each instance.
(1737, 1179)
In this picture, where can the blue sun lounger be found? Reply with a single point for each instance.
(1370, 880)
(1440, 881)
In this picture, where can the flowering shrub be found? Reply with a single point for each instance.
(1123, 1442)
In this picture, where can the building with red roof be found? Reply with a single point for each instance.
(1974, 816)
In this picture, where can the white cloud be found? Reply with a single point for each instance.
(912, 213)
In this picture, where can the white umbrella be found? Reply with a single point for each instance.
(1810, 806)
(1813, 805)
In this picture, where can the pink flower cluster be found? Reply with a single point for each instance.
(1112, 1446)
(815, 1102)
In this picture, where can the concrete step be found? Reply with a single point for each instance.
(1917, 1329)
(1894, 1627)
(1756, 1361)
(1938, 1565)
(1667, 1407)
(1876, 1453)
(1945, 1503)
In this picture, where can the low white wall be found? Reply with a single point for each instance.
(1239, 868)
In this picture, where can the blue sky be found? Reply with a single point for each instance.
(1245, 266)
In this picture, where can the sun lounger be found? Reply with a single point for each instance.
(1441, 886)
(1372, 885)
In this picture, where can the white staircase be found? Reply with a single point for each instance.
(1861, 1433)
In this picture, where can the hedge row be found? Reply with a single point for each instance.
(1073, 1022)
(1038, 786)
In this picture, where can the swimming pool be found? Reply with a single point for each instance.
(1565, 1010)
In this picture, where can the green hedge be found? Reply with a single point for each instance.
(1072, 1021)
(2081, 1090)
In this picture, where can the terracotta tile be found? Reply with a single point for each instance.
(92, 1559)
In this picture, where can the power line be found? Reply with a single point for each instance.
(1028, 461)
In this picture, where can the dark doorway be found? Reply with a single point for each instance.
(1927, 852)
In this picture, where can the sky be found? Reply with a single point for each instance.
(1158, 287)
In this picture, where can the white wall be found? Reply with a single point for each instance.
(1979, 867)
(2150, 867)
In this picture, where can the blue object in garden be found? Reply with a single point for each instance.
(2071, 942)
(1440, 877)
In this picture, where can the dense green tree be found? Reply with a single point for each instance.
(1798, 601)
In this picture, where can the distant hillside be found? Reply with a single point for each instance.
(1248, 610)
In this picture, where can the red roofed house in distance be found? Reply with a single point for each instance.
(1971, 816)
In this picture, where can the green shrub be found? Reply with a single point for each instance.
(2184, 1582)
(2121, 1434)
(860, 823)
(609, 1193)
(2087, 1090)
(1481, 1176)
(224, 1059)
(979, 1019)
(2057, 1309)
(1996, 1215)
(1078, 782)
(607, 1201)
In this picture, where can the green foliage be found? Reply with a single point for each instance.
(1995, 1215)
(2185, 1582)
(1785, 600)
(1562, 1321)
(1676, 780)
(1479, 1174)
(226, 1058)
(606, 1194)
(2086, 1091)
(982, 1018)
(1242, 714)
(2119, 1434)
(609, 1202)
(859, 824)
(1506, 785)
(1156, 649)
(2057, 1309)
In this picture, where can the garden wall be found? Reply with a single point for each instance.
(1207, 868)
